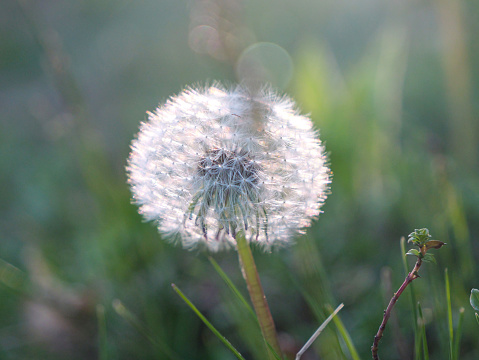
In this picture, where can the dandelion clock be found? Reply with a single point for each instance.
(214, 161)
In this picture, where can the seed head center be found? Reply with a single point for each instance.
(230, 186)
(225, 169)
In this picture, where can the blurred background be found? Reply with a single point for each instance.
(391, 85)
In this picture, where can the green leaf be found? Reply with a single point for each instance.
(475, 299)
(233, 288)
(419, 236)
(413, 252)
(477, 317)
(207, 323)
(429, 258)
(434, 244)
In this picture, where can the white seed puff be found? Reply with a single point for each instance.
(214, 161)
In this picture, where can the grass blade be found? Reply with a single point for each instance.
(346, 337)
(273, 352)
(207, 323)
(133, 321)
(233, 288)
(449, 316)
(13, 278)
(102, 337)
(422, 332)
(317, 332)
(241, 298)
(457, 338)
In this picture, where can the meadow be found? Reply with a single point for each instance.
(392, 87)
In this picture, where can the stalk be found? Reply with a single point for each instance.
(250, 274)
(387, 313)
(420, 238)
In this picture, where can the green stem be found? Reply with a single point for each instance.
(102, 337)
(250, 274)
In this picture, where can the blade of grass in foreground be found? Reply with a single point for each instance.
(133, 321)
(449, 315)
(230, 284)
(318, 312)
(241, 298)
(102, 338)
(422, 333)
(346, 337)
(207, 323)
(317, 332)
(457, 338)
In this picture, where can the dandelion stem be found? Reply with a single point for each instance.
(387, 313)
(250, 274)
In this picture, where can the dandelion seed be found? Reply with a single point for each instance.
(214, 161)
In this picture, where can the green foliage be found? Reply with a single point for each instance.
(422, 337)
(458, 336)
(390, 96)
(346, 337)
(474, 299)
(102, 333)
(232, 286)
(207, 323)
(413, 252)
(419, 237)
(429, 258)
(133, 321)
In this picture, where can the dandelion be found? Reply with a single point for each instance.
(214, 161)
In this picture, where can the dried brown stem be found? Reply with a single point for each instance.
(387, 313)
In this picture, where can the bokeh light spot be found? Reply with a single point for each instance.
(204, 39)
(265, 62)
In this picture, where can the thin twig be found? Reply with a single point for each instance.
(387, 313)
(399, 340)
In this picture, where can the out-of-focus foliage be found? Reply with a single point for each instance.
(393, 88)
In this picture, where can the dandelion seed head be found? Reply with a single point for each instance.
(215, 161)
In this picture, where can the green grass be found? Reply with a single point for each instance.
(384, 90)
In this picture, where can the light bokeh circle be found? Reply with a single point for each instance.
(265, 62)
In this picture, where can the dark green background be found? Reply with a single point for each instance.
(393, 88)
